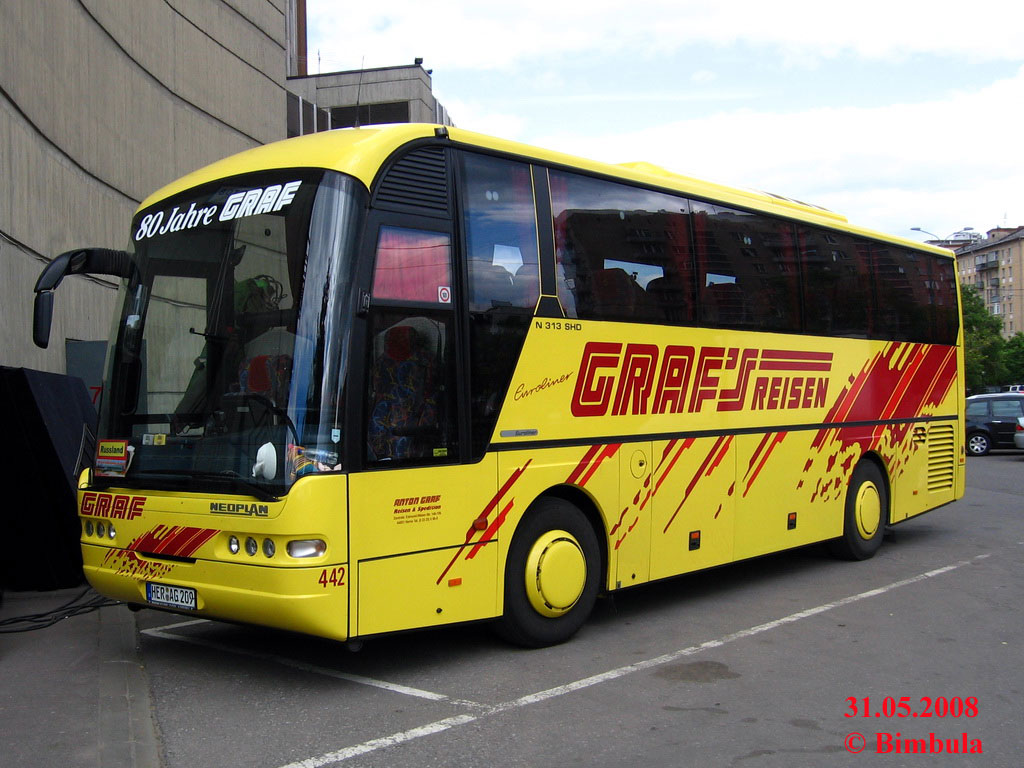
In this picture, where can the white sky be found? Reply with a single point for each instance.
(895, 113)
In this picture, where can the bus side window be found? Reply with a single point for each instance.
(837, 296)
(622, 253)
(504, 279)
(750, 275)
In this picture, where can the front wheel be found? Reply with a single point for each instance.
(552, 575)
(866, 514)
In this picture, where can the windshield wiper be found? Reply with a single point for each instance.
(227, 475)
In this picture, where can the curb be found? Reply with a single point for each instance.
(127, 731)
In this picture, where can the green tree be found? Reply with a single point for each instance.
(983, 343)
(1013, 359)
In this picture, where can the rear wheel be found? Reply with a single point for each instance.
(552, 575)
(978, 444)
(866, 514)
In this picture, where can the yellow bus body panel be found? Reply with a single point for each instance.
(765, 432)
(181, 539)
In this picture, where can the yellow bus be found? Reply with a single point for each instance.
(389, 378)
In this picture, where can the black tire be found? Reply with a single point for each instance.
(978, 444)
(556, 532)
(866, 514)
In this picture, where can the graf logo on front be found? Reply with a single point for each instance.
(116, 506)
(637, 379)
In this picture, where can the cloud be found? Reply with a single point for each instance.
(471, 35)
(940, 165)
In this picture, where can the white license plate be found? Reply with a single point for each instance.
(170, 596)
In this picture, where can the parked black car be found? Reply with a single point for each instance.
(991, 421)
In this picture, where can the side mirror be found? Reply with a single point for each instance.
(42, 318)
(92, 261)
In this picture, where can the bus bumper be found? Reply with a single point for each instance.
(313, 601)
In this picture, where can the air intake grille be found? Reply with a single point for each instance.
(941, 457)
(417, 183)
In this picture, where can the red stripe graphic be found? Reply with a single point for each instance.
(787, 360)
(779, 437)
(606, 452)
(484, 515)
(711, 461)
(492, 529)
(901, 383)
(179, 541)
(587, 458)
(685, 444)
(792, 354)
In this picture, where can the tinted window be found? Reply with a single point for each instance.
(747, 270)
(502, 267)
(622, 253)
(501, 234)
(836, 283)
(411, 387)
(902, 280)
(1006, 409)
(946, 318)
(413, 265)
(977, 409)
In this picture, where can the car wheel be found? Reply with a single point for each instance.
(978, 444)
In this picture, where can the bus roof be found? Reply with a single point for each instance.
(360, 152)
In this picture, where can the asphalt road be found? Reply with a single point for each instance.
(751, 665)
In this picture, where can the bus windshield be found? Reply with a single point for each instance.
(227, 358)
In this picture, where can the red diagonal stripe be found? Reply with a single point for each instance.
(686, 444)
(587, 457)
(492, 529)
(491, 505)
(607, 452)
(711, 461)
(764, 460)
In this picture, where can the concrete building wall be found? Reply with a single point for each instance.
(371, 86)
(101, 103)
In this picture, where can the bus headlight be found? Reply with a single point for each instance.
(100, 530)
(268, 547)
(233, 545)
(111, 533)
(306, 548)
(251, 547)
(88, 528)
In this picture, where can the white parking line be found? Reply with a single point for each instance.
(443, 725)
(404, 690)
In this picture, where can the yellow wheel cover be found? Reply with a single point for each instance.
(556, 572)
(868, 510)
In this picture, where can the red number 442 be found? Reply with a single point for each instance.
(332, 577)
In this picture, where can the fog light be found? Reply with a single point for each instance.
(88, 528)
(111, 533)
(251, 547)
(233, 545)
(307, 548)
(100, 530)
(268, 547)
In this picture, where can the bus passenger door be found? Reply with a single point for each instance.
(418, 556)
